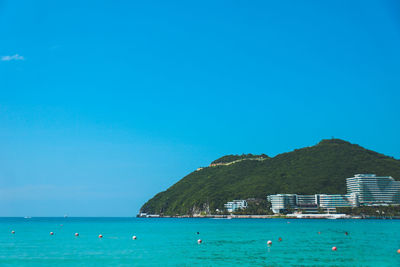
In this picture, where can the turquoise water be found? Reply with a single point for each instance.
(173, 242)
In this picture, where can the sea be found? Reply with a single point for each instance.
(174, 242)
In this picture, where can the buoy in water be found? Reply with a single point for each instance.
(13, 232)
(280, 239)
(346, 233)
(398, 251)
(134, 237)
(76, 234)
(269, 243)
(319, 233)
(100, 236)
(199, 241)
(334, 248)
(51, 233)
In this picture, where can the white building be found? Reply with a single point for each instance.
(307, 203)
(235, 205)
(374, 190)
(282, 202)
(331, 202)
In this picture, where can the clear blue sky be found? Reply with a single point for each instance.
(105, 103)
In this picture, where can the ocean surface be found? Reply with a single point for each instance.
(173, 242)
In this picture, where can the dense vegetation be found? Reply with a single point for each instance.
(322, 168)
(230, 158)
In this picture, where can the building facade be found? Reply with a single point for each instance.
(331, 202)
(374, 190)
(235, 205)
(307, 203)
(282, 202)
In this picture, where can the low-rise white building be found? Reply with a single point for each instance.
(235, 205)
(282, 202)
(307, 203)
(331, 202)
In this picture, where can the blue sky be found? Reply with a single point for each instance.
(105, 103)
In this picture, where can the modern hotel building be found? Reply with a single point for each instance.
(363, 189)
(282, 202)
(374, 190)
(331, 202)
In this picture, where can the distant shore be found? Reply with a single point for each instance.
(288, 216)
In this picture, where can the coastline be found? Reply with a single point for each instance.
(289, 216)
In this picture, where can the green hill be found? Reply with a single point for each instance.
(318, 169)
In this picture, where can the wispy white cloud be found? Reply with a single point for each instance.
(14, 57)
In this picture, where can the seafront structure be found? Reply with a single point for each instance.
(235, 205)
(329, 203)
(282, 202)
(307, 203)
(363, 189)
(374, 190)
